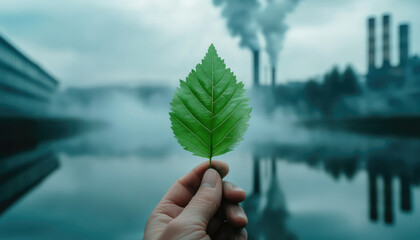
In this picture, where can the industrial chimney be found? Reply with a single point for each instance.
(371, 44)
(256, 64)
(273, 76)
(386, 42)
(403, 36)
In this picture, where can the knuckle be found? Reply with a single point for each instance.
(175, 226)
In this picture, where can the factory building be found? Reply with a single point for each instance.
(405, 73)
(25, 88)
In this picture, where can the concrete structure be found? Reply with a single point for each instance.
(256, 67)
(25, 88)
(371, 44)
(405, 73)
(273, 76)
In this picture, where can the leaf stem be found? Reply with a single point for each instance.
(209, 162)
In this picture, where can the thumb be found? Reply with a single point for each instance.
(206, 201)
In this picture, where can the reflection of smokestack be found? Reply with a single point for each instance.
(386, 42)
(371, 43)
(273, 166)
(273, 76)
(373, 197)
(256, 68)
(256, 175)
(405, 193)
(389, 215)
(403, 32)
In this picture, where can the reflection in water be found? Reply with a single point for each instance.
(267, 221)
(383, 162)
(25, 155)
(385, 169)
(22, 172)
(98, 171)
(253, 201)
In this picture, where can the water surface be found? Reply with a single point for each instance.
(104, 185)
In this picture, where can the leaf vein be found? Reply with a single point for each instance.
(217, 68)
(233, 127)
(236, 108)
(204, 73)
(193, 114)
(224, 90)
(221, 78)
(212, 108)
(186, 127)
(199, 83)
(196, 146)
(230, 100)
(196, 97)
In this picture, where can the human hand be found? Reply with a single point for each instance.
(199, 206)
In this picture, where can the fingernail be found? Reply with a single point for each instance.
(236, 188)
(209, 178)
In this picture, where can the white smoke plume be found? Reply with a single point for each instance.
(272, 22)
(241, 18)
(245, 18)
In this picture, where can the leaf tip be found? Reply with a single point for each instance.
(212, 48)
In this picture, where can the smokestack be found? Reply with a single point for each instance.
(371, 44)
(273, 76)
(256, 54)
(386, 42)
(403, 36)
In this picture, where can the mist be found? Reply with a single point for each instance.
(137, 121)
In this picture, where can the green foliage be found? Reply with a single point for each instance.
(209, 111)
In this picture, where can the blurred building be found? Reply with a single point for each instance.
(25, 88)
(405, 73)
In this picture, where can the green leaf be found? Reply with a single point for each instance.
(209, 111)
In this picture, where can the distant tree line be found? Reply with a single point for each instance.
(324, 96)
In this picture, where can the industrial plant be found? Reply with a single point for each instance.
(405, 73)
(386, 89)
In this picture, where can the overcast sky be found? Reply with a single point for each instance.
(86, 43)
